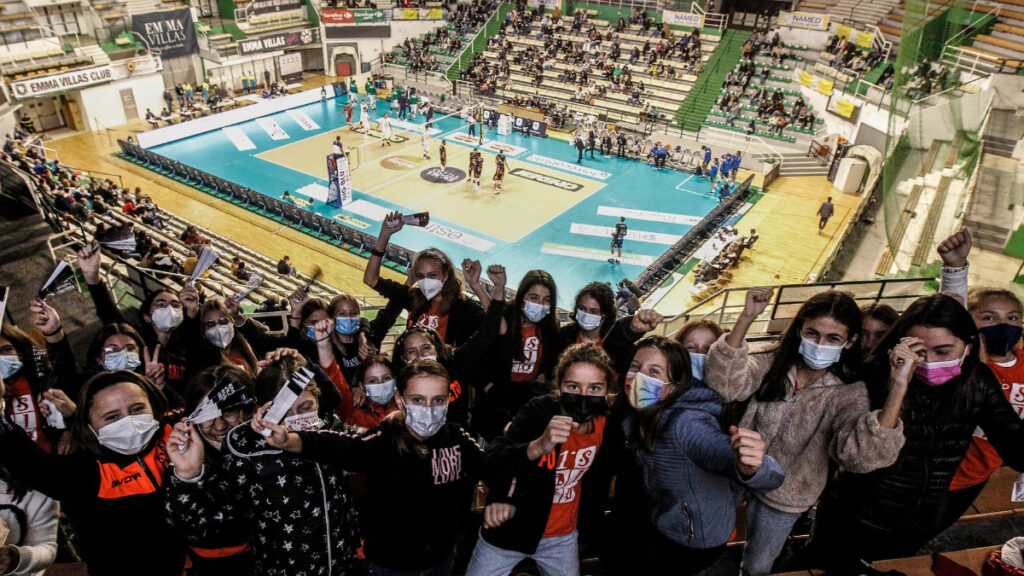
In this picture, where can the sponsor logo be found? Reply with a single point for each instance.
(449, 176)
(545, 179)
(465, 139)
(590, 172)
(506, 148)
(400, 162)
(351, 221)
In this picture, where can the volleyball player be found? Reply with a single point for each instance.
(385, 129)
(443, 152)
(426, 143)
(476, 166)
(364, 119)
(499, 171)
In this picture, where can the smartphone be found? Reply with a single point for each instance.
(418, 219)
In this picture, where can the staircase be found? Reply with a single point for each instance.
(996, 204)
(143, 6)
(690, 116)
(95, 52)
(797, 164)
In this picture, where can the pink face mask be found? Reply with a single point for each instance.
(938, 373)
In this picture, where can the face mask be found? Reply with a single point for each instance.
(425, 421)
(346, 326)
(645, 391)
(819, 356)
(308, 422)
(129, 435)
(430, 287)
(1000, 339)
(167, 318)
(382, 393)
(938, 373)
(583, 408)
(588, 321)
(220, 335)
(535, 312)
(9, 365)
(311, 333)
(431, 357)
(697, 365)
(121, 360)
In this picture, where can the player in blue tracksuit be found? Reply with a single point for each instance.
(736, 160)
(707, 156)
(713, 174)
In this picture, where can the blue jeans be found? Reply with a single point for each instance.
(442, 569)
(767, 530)
(558, 556)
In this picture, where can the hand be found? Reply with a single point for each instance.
(471, 271)
(186, 451)
(66, 444)
(496, 274)
(44, 318)
(954, 250)
(154, 369)
(645, 320)
(392, 223)
(189, 297)
(497, 513)
(322, 331)
(9, 559)
(89, 263)
(60, 401)
(902, 360)
(235, 311)
(358, 396)
(749, 448)
(756, 302)
(557, 432)
(278, 434)
(277, 355)
(296, 301)
(365, 348)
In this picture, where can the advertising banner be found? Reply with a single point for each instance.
(864, 39)
(169, 31)
(405, 14)
(39, 85)
(519, 124)
(808, 20)
(691, 19)
(339, 16)
(340, 190)
(271, 6)
(552, 4)
(844, 108)
(275, 42)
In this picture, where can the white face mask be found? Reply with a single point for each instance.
(535, 312)
(9, 365)
(425, 421)
(220, 335)
(167, 318)
(430, 287)
(588, 321)
(697, 361)
(819, 356)
(121, 360)
(308, 422)
(129, 435)
(382, 393)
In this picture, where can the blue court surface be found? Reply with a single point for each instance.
(562, 226)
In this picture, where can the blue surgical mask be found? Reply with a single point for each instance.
(535, 312)
(311, 333)
(697, 365)
(346, 325)
(9, 365)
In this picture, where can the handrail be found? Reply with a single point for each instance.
(712, 20)
(884, 46)
(972, 25)
(742, 142)
(471, 45)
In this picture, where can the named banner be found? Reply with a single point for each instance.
(338, 16)
(808, 20)
(74, 80)
(545, 3)
(169, 31)
(276, 41)
(340, 178)
(691, 19)
(271, 6)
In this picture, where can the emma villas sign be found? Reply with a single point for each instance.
(40, 85)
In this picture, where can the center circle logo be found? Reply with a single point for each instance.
(449, 176)
(400, 162)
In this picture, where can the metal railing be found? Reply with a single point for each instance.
(479, 42)
(754, 144)
(711, 19)
(435, 80)
(725, 306)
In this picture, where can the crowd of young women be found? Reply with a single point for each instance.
(379, 462)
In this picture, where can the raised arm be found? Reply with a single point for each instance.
(392, 223)
(953, 275)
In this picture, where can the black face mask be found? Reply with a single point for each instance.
(1000, 339)
(582, 408)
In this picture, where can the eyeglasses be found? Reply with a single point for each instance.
(230, 418)
(223, 321)
(164, 304)
(114, 349)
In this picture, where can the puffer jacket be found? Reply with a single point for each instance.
(911, 493)
(828, 419)
(690, 477)
(300, 514)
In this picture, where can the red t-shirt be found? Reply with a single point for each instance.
(572, 463)
(982, 460)
(25, 411)
(526, 369)
(433, 319)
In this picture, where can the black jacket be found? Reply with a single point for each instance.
(463, 318)
(418, 502)
(300, 513)
(617, 342)
(115, 502)
(911, 494)
(514, 479)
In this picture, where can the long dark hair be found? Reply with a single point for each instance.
(586, 353)
(832, 303)
(238, 342)
(404, 440)
(601, 292)
(935, 311)
(450, 291)
(108, 330)
(547, 328)
(35, 364)
(444, 351)
(647, 423)
(80, 427)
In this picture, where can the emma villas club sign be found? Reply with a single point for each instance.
(32, 87)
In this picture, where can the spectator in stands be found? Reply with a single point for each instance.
(595, 320)
(31, 518)
(285, 268)
(190, 236)
(877, 319)
(347, 342)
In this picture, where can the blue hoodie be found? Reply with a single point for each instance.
(690, 477)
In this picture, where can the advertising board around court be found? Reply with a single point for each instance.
(519, 123)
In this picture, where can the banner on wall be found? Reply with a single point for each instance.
(405, 14)
(338, 16)
(545, 3)
(825, 86)
(275, 42)
(808, 20)
(864, 39)
(339, 193)
(169, 31)
(271, 6)
(39, 85)
(691, 19)
(844, 108)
